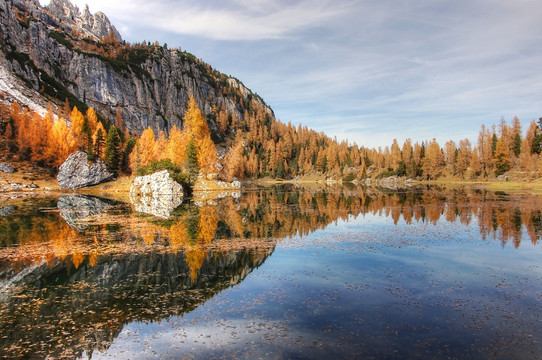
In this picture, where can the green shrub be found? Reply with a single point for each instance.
(386, 173)
(61, 39)
(350, 177)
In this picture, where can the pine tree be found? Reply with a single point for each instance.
(99, 142)
(113, 154)
(494, 141)
(191, 162)
(130, 145)
(516, 140)
(517, 144)
(485, 149)
(86, 139)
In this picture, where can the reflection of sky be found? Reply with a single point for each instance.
(365, 288)
(369, 70)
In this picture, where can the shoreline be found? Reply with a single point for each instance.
(21, 184)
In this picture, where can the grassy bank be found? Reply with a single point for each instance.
(532, 187)
(28, 176)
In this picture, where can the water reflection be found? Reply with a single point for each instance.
(63, 311)
(74, 270)
(83, 227)
(161, 206)
(74, 208)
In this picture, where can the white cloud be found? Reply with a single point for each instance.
(225, 20)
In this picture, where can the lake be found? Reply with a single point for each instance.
(274, 273)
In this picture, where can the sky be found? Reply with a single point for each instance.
(366, 71)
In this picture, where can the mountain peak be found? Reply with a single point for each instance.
(96, 26)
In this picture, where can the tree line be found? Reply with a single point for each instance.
(498, 150)
(255, 145)
(49, 139)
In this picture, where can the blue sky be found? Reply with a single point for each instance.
(368, 70)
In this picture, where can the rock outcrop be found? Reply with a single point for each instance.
(156, 194)
(77, 172)
(95, 26)
(6, 210)
(54, 50)
(6, 168)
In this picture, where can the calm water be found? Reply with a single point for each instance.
(279, 273)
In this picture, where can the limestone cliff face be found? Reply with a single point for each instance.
(53, 50)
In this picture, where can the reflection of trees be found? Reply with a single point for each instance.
(261, 213)
(499, 216)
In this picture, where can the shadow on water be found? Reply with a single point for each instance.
(75, 270)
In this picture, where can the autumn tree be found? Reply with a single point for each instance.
(449, 157)
(195, 125)
(395, 155)
(146, 149)
(502, 157)
(526, 160)
(485, 145)
(233, 161)
(433, 161)
(207, 157)
(464, 156)
(475, 164)
(176, 146)
(222, 119)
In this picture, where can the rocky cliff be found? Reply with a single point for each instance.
(64, 53)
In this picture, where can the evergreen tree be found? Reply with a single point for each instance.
(113, 154)
(86, 135)
(536, 147)
(130, 144)
(280, 171)
(191, 162)
(517, 144)
(99, 143)
(494, 141)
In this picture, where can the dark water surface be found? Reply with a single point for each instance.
(280, 273)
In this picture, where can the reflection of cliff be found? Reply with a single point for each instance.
(64, 311)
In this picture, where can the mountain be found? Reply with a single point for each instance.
(61, 55)
(57, 52)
